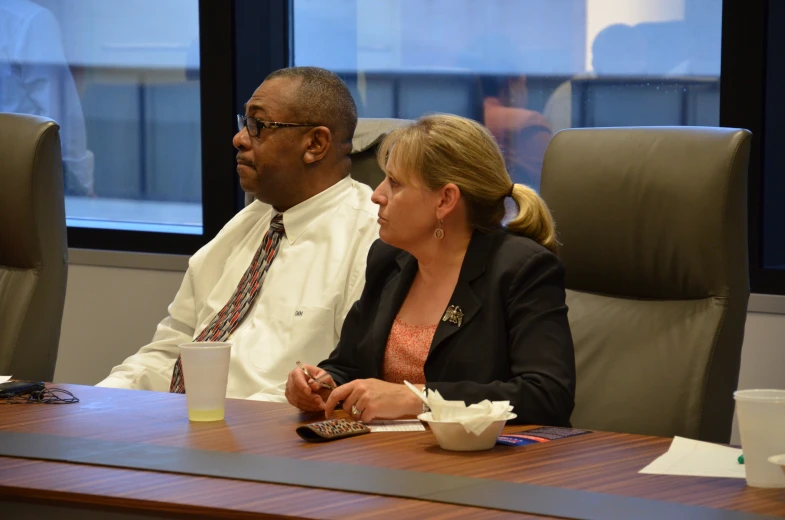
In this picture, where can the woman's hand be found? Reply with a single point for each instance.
(305, 393)
(373, 399)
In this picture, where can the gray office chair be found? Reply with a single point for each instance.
(367, 136)
(653, 223)
(33, 247)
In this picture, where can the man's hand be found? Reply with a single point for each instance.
(305, 393)
(373, 399)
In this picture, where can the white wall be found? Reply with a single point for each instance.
(111, 312)
(762, 356)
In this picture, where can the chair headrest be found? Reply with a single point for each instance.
(655, 212)
(31, 189)
(370, 131)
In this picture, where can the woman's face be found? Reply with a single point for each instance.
(407, 210)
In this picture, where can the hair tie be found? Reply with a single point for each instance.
(512, 188)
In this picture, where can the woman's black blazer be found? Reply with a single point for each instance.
(513, 342)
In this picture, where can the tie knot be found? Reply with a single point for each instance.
(276, 224)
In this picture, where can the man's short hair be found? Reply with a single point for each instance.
(322, 98)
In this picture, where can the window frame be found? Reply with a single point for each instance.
(742, 105)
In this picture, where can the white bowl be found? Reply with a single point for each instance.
(454, 437)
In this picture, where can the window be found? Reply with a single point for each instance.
(122, 79)
(123, 83)
(147, 91)
(524, 69)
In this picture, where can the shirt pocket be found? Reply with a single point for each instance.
(304, 334)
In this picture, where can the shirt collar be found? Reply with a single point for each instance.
(297, 218)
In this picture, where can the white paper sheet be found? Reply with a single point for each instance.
(408, 425)
(697, 459)
(3, 379)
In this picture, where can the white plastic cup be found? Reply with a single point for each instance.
(206, 373)
(761, 416)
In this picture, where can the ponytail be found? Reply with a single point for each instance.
(534, 219)
(444, 149)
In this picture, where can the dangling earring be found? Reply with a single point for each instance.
(439, 233)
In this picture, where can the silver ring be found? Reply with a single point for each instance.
(356, 412)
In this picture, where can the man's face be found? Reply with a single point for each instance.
(270, 164)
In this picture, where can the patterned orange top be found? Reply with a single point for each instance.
(407, 349)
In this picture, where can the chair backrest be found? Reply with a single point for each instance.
(33, 247)
(653, 223)
(367, 136)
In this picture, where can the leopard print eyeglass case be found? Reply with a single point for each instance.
(331, 430)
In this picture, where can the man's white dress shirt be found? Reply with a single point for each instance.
(317, 275)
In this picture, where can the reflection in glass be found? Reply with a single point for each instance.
(122, 81)
(524, 69)
(522, 133)
(36, 79)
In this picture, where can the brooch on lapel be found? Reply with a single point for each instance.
(453, 314)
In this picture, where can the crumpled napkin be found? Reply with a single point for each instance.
(474, 418)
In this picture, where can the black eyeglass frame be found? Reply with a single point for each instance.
(242, 122)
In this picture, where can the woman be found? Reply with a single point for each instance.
(453, 301)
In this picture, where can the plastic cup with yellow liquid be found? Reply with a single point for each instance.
(206, 373)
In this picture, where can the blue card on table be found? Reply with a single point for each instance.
(544, 434)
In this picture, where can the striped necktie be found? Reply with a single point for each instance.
(224, 323)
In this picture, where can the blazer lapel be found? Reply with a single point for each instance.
(390, 302)
(464, 298)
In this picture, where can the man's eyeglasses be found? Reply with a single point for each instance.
(254, 126)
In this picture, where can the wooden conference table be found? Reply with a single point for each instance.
(605, 464)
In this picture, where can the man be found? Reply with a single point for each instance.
(278, 295)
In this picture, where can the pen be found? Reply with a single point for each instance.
(322, 383)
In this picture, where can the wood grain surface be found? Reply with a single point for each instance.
(600, 462)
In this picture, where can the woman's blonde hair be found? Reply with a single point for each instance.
(441, 149)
